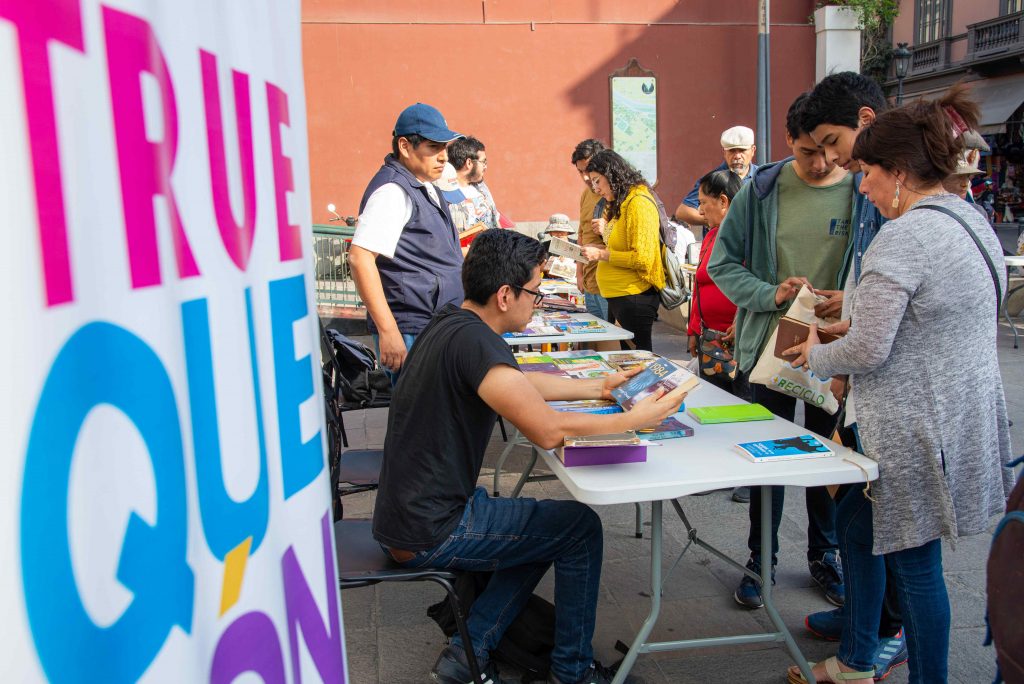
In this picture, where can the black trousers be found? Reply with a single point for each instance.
(821, 508)
(636, 313)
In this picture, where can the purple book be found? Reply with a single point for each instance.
(602, 455)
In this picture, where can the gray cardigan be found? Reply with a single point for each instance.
(921, 351)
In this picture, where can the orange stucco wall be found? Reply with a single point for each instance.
(530, 79)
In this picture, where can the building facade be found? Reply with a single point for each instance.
(979, 42)
(530, 78)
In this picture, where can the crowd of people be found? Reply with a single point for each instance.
(869, 210)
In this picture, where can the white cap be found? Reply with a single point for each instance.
(449, 180)
(737, 136)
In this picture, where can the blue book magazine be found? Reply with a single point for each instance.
(791, 448)
(670, 428)
(661, 374)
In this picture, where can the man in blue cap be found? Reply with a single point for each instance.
(405, 257)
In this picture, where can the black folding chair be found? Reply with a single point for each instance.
(362, 562)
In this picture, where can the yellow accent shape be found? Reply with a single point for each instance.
(234, 571)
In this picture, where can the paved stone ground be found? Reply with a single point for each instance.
(389, 637)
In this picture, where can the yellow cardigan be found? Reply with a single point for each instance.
(634, 248)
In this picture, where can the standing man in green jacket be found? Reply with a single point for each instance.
(789, 226)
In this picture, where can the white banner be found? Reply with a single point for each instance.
(164, 509)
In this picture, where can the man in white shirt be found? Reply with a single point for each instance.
(405, 255)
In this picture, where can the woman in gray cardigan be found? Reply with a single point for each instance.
(920, 347)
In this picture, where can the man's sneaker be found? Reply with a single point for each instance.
(827, 624)
(741, 494)
(891, 653)
(827, 572)
(748, 594)
(597, 674)
(451, 668)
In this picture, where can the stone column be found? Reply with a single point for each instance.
(837, 38)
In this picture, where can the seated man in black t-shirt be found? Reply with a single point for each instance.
(429, 511)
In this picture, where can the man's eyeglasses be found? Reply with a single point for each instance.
(538, 297)
(481, 162)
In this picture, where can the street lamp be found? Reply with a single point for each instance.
(902, 56)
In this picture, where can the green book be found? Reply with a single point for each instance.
(731, 413)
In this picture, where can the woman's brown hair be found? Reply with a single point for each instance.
(922, 138)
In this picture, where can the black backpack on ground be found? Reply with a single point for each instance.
(527, 642)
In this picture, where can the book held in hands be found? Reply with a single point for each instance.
(564, 248)
(662, 374)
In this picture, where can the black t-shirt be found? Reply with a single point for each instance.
(438, 430)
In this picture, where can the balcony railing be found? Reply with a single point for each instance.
(929, 57)
(995, 36)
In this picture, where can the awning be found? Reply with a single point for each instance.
(998, 98)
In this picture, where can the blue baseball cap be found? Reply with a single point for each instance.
(422, 119)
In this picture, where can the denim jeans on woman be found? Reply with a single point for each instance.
(917, 573)
(518, 540)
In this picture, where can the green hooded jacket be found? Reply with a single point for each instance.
(744, 264)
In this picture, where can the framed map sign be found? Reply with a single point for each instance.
(634, 117)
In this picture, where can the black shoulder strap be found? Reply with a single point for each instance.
(977, 242)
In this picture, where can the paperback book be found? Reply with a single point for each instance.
(580, 327)
(556, 303)
(584, 363)
(730, 413)
(533, 357)
(791, 448)
(549, 368)
(565, 248)
(535, 331)
(623, 447)
(670, 428)
(662, 374)
(586, 406)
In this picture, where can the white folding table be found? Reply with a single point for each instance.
(706, 461)
(611, 332)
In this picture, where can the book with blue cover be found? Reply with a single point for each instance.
(586, 406)
(661, 374)
(790, 448)
(670, 428)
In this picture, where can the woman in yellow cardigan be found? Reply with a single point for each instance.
(629, 272)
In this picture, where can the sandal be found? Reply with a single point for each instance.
(832, 671)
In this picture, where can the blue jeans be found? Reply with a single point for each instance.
(597, 306)
(821, 508)
(409, 340)
(518, 540)
(917, 573)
